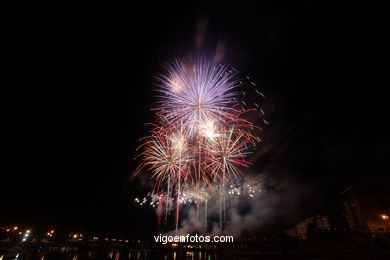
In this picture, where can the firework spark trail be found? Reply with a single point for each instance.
(159, 210)
(246, 187)
(195, 93)
(201, 141)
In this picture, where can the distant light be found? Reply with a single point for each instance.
(15, 227)
(8, 230)
(385, 217)
(24, 239)
(75, 236)
(28, 231)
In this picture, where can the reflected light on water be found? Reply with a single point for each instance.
(137, 254)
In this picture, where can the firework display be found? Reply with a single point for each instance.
(200, 144)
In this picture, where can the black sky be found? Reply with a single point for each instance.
(78, 86)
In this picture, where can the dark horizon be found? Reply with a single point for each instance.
(79, 89)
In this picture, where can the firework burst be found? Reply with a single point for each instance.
(201, 141)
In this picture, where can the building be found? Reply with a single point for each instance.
(310, 226)
(302, 228)
(322, 223)
(366, 207)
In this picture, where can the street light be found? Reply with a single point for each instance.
(384, 217)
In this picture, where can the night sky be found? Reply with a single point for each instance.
(78, 86)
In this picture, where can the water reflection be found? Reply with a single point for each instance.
(108, 255)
